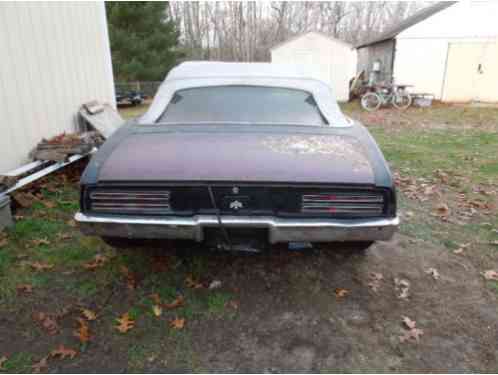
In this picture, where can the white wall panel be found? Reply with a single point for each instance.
(54, 57)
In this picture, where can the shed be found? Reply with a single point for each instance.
(55, 56)
(323, 57)
(449, 49)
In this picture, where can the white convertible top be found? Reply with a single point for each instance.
(205, 73)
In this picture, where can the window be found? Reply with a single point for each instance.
(242, 104)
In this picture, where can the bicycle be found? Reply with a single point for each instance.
(383, 95)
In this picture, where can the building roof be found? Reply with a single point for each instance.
(417, 17)
(295, 37)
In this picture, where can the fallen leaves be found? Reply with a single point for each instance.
(40, 366)
(88, 314)
(215, 284)
(341, 292)
(191, 283)
(40, 241)
(3, 359)
(40, 266)
(441, 210)
(125, 323)
(47, 322)
(131, 281)
(402, 288)
(24, 288)
(433, 272)
(461, 248)
(83, 331)
(177, 302)
(3, 240)
(375, 281)
(62, 352)
(177, 323)
(412, 332)
(157, 310)
(490, 275)
(98, 261)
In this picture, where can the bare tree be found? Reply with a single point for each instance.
(245, 31)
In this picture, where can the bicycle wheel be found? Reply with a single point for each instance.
(402, 100)
(371, 101)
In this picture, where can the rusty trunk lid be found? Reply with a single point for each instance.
(238, 157)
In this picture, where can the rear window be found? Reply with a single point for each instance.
(242, 104)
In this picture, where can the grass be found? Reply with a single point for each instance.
(459, 141)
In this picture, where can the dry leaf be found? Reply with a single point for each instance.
(40, 266)
(3, 242)
(62, 352)
(71, 223)
(191, 283)
(40, 366)
(155, 298)
(64, 236)
(25, 288)
(341, 292)
(47, 322)
(215, 284)
(131, 281)
(89, 314)
(83, 331)
(41, 241)
(98, 261)
(402, 288)
(375, 280)
(461, 248)
(177, 323)
(490, 275)
(176, 303)
(414, 333)
(157, 310)
(433, 272)
(233, 304)
(441, 210)
(125, 323)
(3, 359)
(410, 324)
(48, 204)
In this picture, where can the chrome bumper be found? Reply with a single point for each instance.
(279, 229)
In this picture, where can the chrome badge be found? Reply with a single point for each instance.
(235, 190)
(236, 205)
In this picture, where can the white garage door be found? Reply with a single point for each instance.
(472, 72)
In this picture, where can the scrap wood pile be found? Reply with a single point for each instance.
(60, 147)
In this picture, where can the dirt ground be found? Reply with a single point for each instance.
(330, 309)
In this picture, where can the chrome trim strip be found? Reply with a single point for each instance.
(280, 229)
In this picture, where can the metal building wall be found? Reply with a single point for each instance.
(54, 57)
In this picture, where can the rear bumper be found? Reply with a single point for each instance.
(279, 229)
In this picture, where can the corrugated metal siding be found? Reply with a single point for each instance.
(55, 56)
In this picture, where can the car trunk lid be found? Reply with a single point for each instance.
(238, 157)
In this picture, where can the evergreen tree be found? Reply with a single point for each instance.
(143, 40)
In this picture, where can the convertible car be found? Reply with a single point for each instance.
(232, 152)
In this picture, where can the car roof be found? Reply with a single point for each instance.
(216, 69)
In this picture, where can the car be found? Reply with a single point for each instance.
(129, 98)
(231, 153)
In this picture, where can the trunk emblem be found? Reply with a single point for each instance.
(235, 190)
(235, 205)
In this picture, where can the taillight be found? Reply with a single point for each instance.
(130, 201)
(343, 203)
